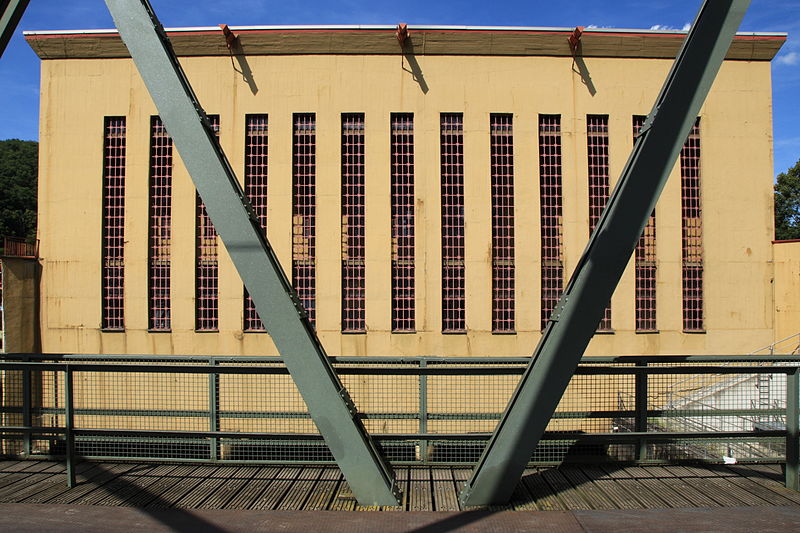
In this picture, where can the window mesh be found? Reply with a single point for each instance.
(551, 202)
(502, 157)
(304, 215)
(255, 188)
(646, 264)
(114, 225)
(353, 225)
(160, 227)
(402, 211)
(206, 263)
(692, 233)
(452, 187)
(597, 152)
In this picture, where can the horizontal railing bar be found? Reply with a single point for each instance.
(33, 429)
(652, 413)
(428, 370)
(553, 435)
(416, 359)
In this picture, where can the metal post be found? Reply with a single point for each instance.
(69, 424)
(9, 18)
(213, 408)
(577, 314)
(329, 404)
(27, 419)
(640, 420)
(792, 430)
(423, 411)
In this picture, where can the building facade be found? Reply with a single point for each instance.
(425, 199)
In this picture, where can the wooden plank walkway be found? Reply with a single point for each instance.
(298, 487)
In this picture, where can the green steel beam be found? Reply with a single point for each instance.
(610, 247)
(10, 14)
(278, 305)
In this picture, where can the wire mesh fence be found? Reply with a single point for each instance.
(419, 410)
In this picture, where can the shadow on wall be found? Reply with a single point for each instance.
(237, 53)
(413, 65)
(579, 67)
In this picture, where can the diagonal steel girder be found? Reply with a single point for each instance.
(610, 247)
(278, 305)
(10, 13)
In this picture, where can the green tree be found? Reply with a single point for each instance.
(18, 171)
(787, 204)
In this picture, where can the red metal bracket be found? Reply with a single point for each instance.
(402, 33)
(230, 37)
(575, 39)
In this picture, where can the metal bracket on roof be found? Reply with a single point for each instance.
(575, 39)
(230, 37)
(610, 247)
(401, 33)
(355, 452)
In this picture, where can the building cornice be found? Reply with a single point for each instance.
(381, 40)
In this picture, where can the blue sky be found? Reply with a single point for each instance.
(19, 66)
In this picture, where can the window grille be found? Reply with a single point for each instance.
(646, 264)
(502, 158)
(114, 224)
(353, 225)
(692, 233)
(255, 188)
(160, 227)
(597, 151)
(452, 195)
(206, 263)
(551, 202)
(402, 212)
(304, 212)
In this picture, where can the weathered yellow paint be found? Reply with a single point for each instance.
(736, 168)
(787, 295)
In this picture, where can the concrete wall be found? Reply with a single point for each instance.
(20, 305)
(787, 294)
(736, 137)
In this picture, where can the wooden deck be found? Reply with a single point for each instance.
(574, 487)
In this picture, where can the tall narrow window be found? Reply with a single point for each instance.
(452, 187)
(551, 202)
(206, 277)
(692, 233)
(502, 156)
(645, 264)
(597, 151)
(353, 225)
(304, 204)
(255, 187)
(402, 212)
(114, 225)
(160, 231)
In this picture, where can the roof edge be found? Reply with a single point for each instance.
(380, 40)
(383, 27)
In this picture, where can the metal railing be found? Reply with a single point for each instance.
(16, 247)
(421, 410)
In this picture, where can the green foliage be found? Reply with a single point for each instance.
(18, 171)
(787, 204)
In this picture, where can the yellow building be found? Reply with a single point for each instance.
(430, 199)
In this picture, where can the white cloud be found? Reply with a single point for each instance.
(792, 58)
(665, 27)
